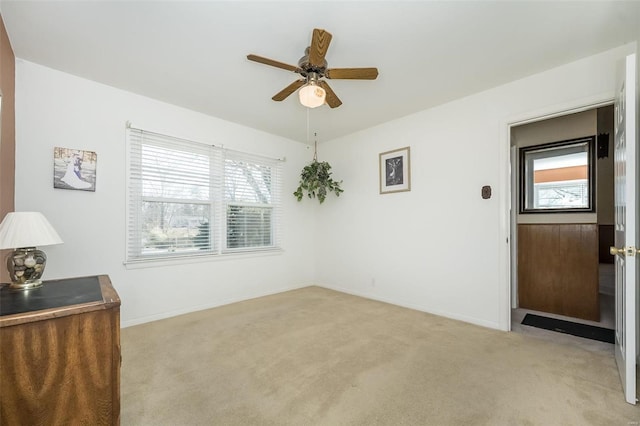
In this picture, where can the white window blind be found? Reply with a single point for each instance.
(191, 199)
(251, 193)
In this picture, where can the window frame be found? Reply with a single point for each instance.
(526, 184)
(217, 203)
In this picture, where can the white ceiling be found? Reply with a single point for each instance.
(193, 54)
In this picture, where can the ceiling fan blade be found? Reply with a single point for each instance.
(331, 99)
(273, 63)
(282, 95)
(319, 46)
(352, 73)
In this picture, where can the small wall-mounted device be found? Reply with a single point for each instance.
(486, 192)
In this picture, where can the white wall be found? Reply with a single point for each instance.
(441, 248)
(58, 109)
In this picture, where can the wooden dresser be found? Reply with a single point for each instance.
(60, 353)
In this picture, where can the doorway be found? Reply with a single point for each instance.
(593, 272)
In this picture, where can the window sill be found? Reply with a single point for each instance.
(181, 260)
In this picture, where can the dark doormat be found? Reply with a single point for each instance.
(567, 327)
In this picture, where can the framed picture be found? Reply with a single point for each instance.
(395, 171)
(74, 169)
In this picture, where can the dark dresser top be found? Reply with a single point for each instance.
(56, 298)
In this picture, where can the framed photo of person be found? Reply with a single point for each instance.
(395, 171)
(74, 169)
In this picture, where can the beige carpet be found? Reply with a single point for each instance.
(318, 357)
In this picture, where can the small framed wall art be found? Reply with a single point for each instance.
(395, 171)
(74, 169)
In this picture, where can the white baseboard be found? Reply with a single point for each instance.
(402, 303)
(416, 307)
(196, 308)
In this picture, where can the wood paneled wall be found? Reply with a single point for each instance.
(606, 239)
(7, 133)
(558, 269)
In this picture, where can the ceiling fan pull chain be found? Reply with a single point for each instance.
(307, 126)
(315, 139)
(315, 146)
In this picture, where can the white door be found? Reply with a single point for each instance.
(625, 227)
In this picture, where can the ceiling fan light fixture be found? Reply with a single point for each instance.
(312, 96)
(312, 67)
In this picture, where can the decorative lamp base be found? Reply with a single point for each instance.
(26, 266)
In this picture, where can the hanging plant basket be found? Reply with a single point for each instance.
(316, 181)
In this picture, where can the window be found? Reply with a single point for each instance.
(557, 177)
(188, 199)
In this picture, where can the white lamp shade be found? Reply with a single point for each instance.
(27, 229)
(312, 96)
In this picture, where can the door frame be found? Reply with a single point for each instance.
(508, 251)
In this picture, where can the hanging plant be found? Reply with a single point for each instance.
(316, 180)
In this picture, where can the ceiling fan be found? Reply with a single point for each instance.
(313, 67)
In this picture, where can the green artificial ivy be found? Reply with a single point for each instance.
(316, 180)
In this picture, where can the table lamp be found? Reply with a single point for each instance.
(23, 231)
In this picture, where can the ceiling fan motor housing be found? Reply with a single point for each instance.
(307, 68)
